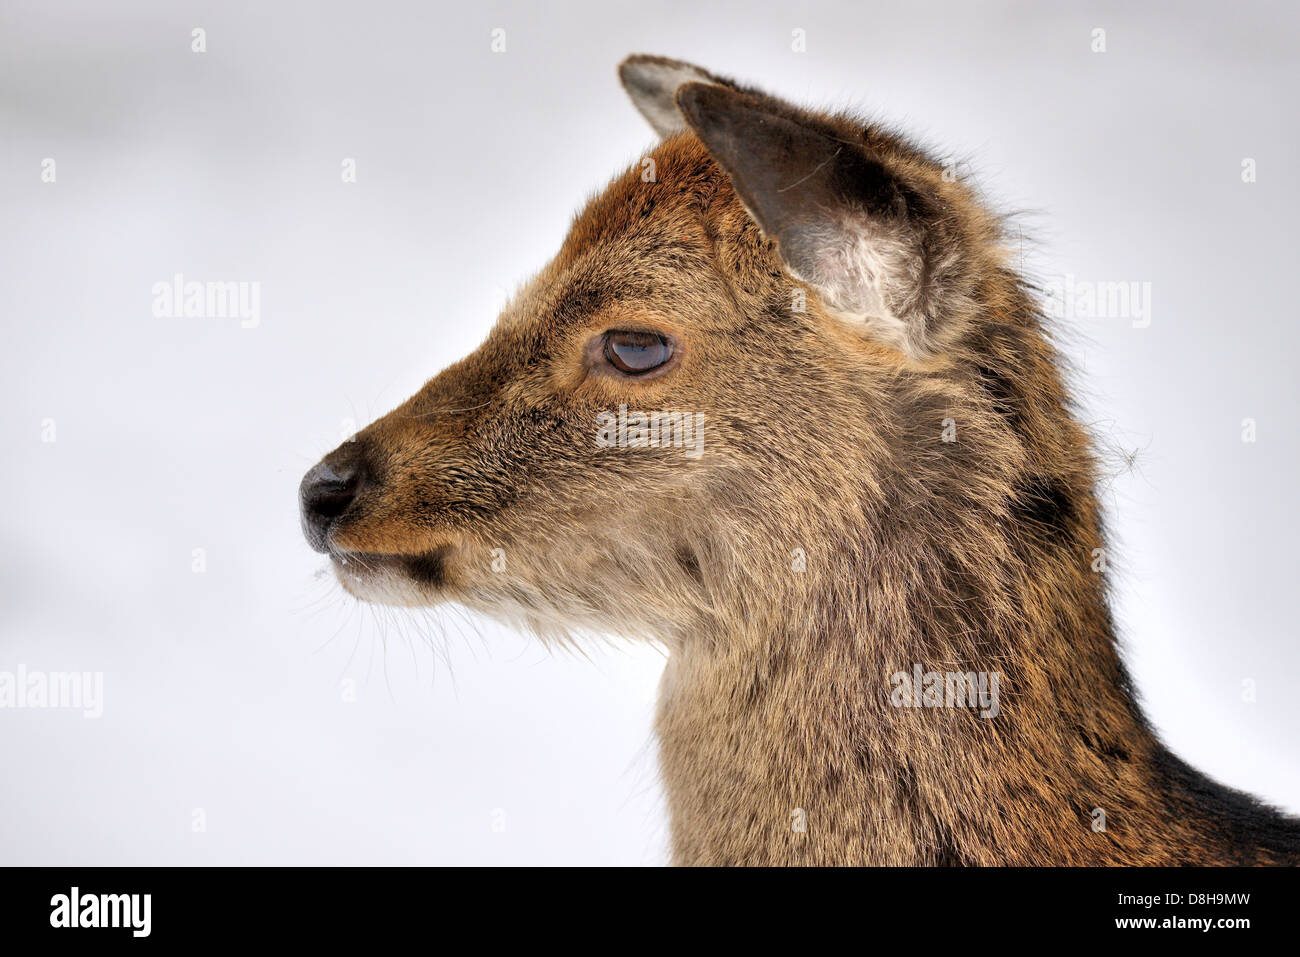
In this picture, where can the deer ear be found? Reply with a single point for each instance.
(843, 221)
(652, 81)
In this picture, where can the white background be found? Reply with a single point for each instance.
(224, 690)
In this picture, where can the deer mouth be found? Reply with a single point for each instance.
(392, 579)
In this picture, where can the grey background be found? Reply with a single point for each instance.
(223, 690)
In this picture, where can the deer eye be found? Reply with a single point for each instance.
(636, 353)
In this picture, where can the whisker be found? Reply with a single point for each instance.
(425, 415)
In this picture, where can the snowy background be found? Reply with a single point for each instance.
(297, 727)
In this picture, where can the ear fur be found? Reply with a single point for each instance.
(867, 231)
(652, 82)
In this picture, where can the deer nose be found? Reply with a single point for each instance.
(325, 494)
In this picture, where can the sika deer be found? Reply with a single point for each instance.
(890, 486)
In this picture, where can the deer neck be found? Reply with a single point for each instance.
(903, 720)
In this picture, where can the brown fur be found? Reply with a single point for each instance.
(825, 437)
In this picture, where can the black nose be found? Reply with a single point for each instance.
(324, 495)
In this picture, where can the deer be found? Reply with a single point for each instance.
(888, 631)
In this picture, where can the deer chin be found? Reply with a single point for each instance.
(405, 580)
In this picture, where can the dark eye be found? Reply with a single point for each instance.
(636, 353)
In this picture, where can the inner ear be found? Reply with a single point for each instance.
(842, 219)
(652, 82)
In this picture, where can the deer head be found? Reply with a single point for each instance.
(747, 343)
